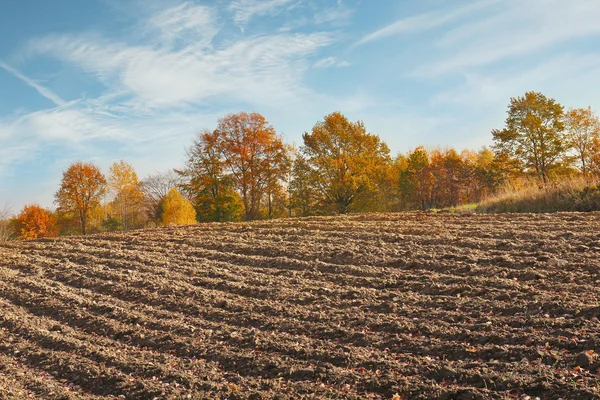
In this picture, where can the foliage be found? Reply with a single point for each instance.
(176, 210)
(302, 190)
(244, 152)
(445, 178)
(34, 222)
(533, 134)
(111, 224)
(125, 186)
(81, 190)
(583, 135)
(155, 188)
(211, 189)
(347, 165)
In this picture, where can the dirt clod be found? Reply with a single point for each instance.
(375, 306)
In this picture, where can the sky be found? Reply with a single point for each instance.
(136, 80)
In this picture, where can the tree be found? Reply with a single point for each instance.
(81, 190)
(416, 180)
(34, 222)
(125, 186)
(533, 134)
(175, 209)
(155, 188)
(302, 191)
(212, 190)
(583, 128)
(253, 154)
(348, 165)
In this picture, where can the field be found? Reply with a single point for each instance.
(402, 306)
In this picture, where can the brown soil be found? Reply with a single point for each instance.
(403, 306)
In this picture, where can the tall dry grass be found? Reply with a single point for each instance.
(6, 231)
(574, 194)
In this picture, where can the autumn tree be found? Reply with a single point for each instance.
(348, 165)
(302, 189)
(125, 187)
(416, 180)
(155, 188)
(210, 187)
(253, 155)
(534, 134)
(176, 210)
(583, 132)
(81, 190)
(34, 222)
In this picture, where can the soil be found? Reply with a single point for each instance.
(373, 306)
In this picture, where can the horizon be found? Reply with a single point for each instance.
(106, 80)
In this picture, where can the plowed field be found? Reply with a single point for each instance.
(403, 306)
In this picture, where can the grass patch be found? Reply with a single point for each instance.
(576, 194)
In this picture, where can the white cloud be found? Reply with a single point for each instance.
(245, 10)
(188, 23)
(265, 65)
(45, 92)
(518, 29)
(331, 62)
(426, 21)
(338, 15)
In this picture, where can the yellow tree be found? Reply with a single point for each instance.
(416, 180)
(348, 165)
(175, 209)
(34, 222)
(583, 129)
(125, 186)
(81, 190)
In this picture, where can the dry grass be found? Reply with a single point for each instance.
(5, 228)
(575, 194)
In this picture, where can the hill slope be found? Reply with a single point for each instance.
(370, 306)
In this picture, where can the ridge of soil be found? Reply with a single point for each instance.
(369, 306)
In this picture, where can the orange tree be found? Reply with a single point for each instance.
(35, 222)
(80, 191)
(253, 155)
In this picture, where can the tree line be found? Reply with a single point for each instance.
(243, 170)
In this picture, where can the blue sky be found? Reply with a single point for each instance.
(105, 80)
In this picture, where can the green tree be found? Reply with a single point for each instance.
(534, 134)
(211, 189)
(348, 165)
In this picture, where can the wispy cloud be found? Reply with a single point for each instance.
(338, 15)
(45, 92)
(245, 10)
(185, 23)
(267, 67)
(425, 21)
(331, 62)
(518, 29)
